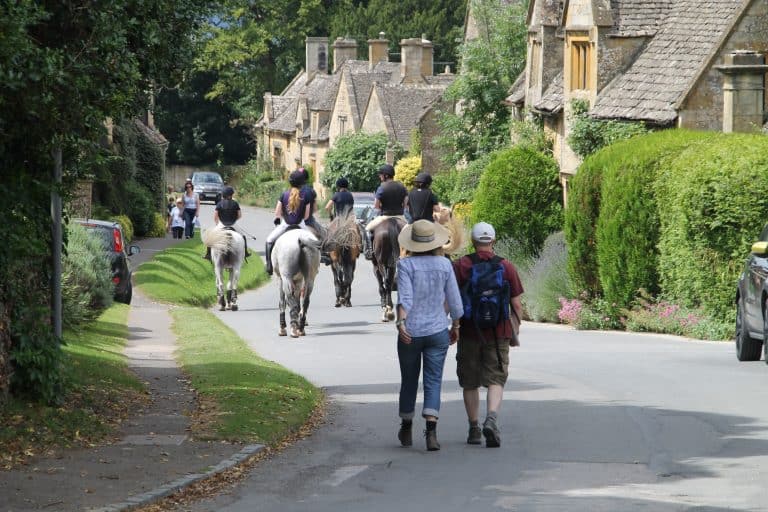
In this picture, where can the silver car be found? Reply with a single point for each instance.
(208, 185)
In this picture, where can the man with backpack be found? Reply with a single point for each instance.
(490, 289)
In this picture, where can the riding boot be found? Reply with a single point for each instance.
(368, 245)
(207, 255)
(268, 256)
(245, 246)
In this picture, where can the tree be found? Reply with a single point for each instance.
(489, 66)
(357, 157)
(65, 67)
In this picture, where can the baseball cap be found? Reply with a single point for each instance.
(483, 232)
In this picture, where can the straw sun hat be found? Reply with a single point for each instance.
(423, 236)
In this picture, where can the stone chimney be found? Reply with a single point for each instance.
(427, 56)
(410, 60)
(267, 108)
(743, 91)
(378, 50)
(343, 49)
(316, 55)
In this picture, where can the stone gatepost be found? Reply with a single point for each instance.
(743, 91)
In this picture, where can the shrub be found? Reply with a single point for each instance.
(597, 314)
(712, 201)
(519, 194)
(407, 169)
(158, 226)
(468, 179)
(357, 157)
(126, 224)
(588, 135)
(650, 315)
(546, 281)
(463, 211)
(138, 207)
(86, 277)
(442, 186)
(627, 231)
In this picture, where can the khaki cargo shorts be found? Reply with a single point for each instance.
(477, 363)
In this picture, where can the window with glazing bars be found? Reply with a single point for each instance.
(580, 64)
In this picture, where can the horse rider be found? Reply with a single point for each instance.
(422, 202)
(342, 200)
(293, 208)
(226, 213)
(390, 201)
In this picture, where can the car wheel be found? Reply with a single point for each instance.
(126, 297)
(747, 347)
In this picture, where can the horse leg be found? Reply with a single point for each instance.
(389, 308)
(337, 286)
(220, 285)
(305, 306)
(281, 307)
(294, 298)
(348, 295)
(234, 277)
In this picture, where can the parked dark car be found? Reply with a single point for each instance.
(752, 303)
(363, 207)
(111, 235)
(208, 185)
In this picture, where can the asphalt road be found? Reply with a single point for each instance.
(591, 421)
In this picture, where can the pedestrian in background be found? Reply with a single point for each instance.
(176, 219)
(191, 209)
(427, 289)
(482, 356)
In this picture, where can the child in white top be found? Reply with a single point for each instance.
(176, 219)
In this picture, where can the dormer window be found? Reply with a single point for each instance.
(581, 63)
(314, 126)
(342, 124)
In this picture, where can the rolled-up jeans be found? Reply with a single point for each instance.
(432, 350)
(189, 222)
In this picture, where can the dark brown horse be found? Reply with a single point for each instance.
(343, 244)
(386, 252)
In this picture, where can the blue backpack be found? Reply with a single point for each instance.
(485, 295)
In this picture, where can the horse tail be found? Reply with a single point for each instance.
(216, 238)
(456, 230)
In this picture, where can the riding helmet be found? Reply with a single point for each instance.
(342, 182)
(387, 170)
(228, 192)
(296, 178)
(423, 177)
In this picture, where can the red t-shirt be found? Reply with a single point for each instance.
(462, 268)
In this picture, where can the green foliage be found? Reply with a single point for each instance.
(414, 148)
(201, 130)
(712, 202)
(530, 132)
(489, 66)
(357, 157)
(519, 194)
(138, 207)
(589, 134)
(468, 179)
(627, 231)
(442, 185)
(86, 277)
(126, 224)
(546, 280)
(407, 169)
(158, 226)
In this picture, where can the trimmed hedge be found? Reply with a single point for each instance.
(627, 231)
(675, 212)
(407, 169)
(520, 195)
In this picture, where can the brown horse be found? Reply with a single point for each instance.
(386, 252)
(343, 244)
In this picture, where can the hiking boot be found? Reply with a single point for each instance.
(491, 433)
(405, 435)
(475, 435)
(431, 438)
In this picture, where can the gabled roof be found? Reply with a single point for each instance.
(544, 12)
(632, 18)
(552, 100)
(403, 107)
(654, 86)
(320, 93)
(152, 134)
(517, 91)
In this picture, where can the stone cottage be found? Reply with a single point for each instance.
(375, 95)
(696, 64)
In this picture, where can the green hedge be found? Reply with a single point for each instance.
(674, 212)
(713, 201)
(520, 195)
(627, 231)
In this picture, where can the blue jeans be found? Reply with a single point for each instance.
(432, 349)
(189, 222)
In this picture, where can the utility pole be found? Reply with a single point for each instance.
(57, 240)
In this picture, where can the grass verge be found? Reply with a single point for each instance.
(178, 275)
(243, 397)
(100, 393)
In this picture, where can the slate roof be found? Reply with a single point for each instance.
(152, 134)
(320, 93)
(404, 106)
(552, 100)
(517, 91)
(657, 82)
(639, 17)
(549, 12)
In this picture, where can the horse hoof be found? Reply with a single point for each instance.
(282, 332)
(222, 308)
(390, 316)
(348, 305)
(295, 333)
(234, 307)
(338, 304)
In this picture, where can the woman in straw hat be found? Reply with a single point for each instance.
(427, 289)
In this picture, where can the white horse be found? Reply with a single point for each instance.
(296, 260)
(227, 252)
